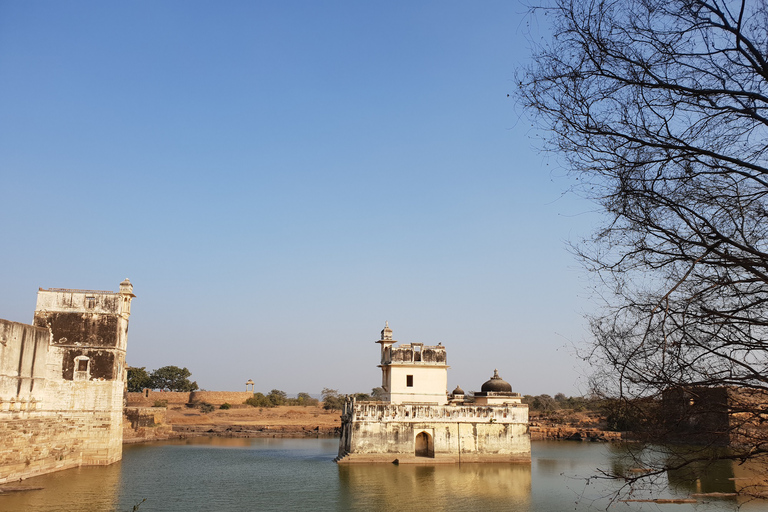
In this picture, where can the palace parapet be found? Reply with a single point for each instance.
(383, 412)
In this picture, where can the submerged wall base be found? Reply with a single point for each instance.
(403, 458)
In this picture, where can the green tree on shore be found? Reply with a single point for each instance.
(303, 399)
(167, 378)
(259, 400)
(277, 397)
(138, 379)
(172, 378)
(378, 393)
(332, 400)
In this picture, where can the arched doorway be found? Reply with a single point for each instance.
(424, 445)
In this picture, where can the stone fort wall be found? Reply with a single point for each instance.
(148, 398)
(62, 382)
(220, 397)
(46, 423)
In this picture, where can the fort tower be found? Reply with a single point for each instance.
(62, 382)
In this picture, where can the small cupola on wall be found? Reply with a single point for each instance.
(386, 333)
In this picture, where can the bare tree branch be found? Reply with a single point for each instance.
(660, 110)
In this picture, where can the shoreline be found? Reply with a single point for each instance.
(147, 424)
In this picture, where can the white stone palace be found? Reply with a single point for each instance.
(420, 422)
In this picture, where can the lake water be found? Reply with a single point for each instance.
(219, 474)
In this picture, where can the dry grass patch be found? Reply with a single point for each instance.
(283, 415)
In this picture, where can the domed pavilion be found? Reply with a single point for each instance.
(497, 391)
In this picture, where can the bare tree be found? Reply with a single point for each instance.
(660, 109)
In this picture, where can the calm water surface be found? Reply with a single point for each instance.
(217, 474)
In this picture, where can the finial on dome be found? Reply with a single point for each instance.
(496, 384)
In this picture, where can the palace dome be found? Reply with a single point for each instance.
(496, 384)
(458, 391)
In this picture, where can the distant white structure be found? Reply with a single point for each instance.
(419, 422)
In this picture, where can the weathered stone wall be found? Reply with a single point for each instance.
(47, 423)
(145, 424)
(220, 397)
(62, 382)
(461, 433)
(23, 357)
(148, 397)
(39, 442)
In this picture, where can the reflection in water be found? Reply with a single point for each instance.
(223, 475)
(85, 489)
(721, 476)
(703, 477)
(751, 477)
(702, 471)
(438, 487)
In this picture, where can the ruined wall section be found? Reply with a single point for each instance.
(145, 424)
(47, 424)
(461, 433)
(62, 382)
(23, 355)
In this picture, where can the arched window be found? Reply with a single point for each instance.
(424, 445)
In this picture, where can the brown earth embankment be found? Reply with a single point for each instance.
(566, 433)
(572, 426)
(239, 421)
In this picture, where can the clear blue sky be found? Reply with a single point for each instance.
(277, 179)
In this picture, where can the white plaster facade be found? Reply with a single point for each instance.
(412, 373)
(418, 422)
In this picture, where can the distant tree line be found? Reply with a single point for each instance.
(331, 398)
(618, 415)
(546, 403)
(277, 397)
(167, 378)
